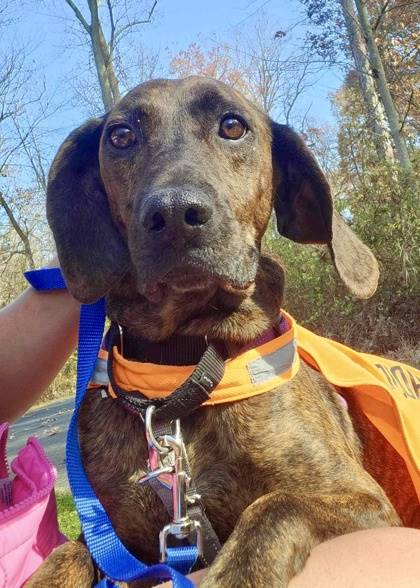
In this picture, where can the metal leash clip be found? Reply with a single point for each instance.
(161, 460)
(169, 459)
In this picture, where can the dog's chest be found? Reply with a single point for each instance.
(237, 453)
(114, 451)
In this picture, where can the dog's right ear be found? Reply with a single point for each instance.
(92, 252)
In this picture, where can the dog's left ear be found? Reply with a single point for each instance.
(305, 213)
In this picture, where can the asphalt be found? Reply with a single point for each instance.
(49, 424)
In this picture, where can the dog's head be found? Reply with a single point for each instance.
(175, 186)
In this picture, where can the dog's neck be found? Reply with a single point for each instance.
(175, 350)
(184, 322)
(181, 350)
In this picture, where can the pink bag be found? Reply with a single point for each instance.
(28, 516)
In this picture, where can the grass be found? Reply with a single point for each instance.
(67, 516)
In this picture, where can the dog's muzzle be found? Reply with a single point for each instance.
(187, 239)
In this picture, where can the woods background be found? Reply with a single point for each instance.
(370, 150)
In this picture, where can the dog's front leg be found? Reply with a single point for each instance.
(275, 535)
(69, 566)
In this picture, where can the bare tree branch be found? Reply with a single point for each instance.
(386, 10)
(112, 21)
(151, 11)
(409, 105)
(20, 232)
(79, 15)
(33, 154)
(381, 14)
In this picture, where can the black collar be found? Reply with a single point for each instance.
(209, 357)
(176, 350)
(185, 399)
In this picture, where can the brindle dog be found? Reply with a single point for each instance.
(161, 206)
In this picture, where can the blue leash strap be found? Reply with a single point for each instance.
(47, 278)
(109, 553)
(182, 558)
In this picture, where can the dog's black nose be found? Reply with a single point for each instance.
(175, 212)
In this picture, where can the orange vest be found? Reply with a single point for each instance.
(383, 397)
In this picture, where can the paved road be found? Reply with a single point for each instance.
(49, 424)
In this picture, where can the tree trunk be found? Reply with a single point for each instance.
(382, 84)
(106, 91)
(103, 60)
(376, 114)
(27, 249)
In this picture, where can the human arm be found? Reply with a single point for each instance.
(38, 331)
(386, 557)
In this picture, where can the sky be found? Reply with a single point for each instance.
(57, 55)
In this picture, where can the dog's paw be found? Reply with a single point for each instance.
(69, 566)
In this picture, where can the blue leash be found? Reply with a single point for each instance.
(109, 553)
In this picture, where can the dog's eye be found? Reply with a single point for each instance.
(122, 137)
(232, 128)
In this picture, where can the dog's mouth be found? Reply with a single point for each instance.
(228, 266)
(187, 279)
